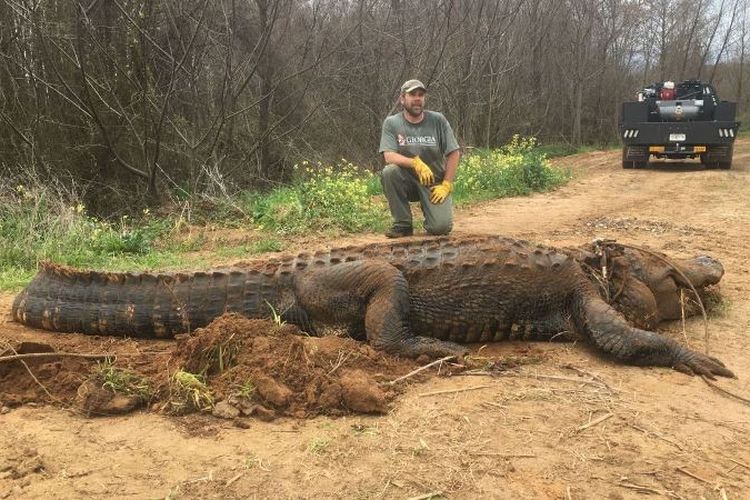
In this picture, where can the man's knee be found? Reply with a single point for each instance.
(439, 228)
(390, 172)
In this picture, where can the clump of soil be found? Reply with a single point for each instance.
(258, 367)
(55, 379)
(240, 366)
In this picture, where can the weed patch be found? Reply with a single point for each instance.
(124, 382)
(318, 446)
(188, 393)
(517, 169)
(37, 224)
(323, 197)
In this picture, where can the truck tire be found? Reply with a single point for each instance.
(726, 162)
(635, 157)
(719, 156)
(707, 162)
(625, 162)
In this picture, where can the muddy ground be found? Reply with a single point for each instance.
(554, 420)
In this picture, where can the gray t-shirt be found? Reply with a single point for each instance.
(431, 139)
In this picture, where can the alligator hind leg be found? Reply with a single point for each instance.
(376, 292)
(610, 333)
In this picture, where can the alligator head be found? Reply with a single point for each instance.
(648, 287)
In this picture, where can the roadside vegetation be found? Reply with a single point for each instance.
(47, 223)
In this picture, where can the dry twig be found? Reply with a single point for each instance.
(694, 476)
(11, 348)
(724, 391)
(640, 487)
(739, 463)
(554, 377)
(235, 478)
(647, 489)
(341, 360)
(31, 355)
(420, 369)
(682, 316)
(654, 433)
(595, 422)
(485, 373)
(451, 391)
(594, 376)
(427, 496)
(502, 455)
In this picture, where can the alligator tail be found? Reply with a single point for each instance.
(146, 305)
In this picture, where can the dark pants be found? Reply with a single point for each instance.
(401, 186)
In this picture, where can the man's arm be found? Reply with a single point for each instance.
(398, 159)
(451, 164)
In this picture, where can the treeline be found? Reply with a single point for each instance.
(140, 101)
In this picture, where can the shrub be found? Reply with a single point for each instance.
(516, 169)
(337, 197)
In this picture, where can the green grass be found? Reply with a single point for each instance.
(189, 393)
(13, 278)
(556, 150)
(319, 445)
(270, 244)
(38, 224)
(337, 198)
(515, 170)
(246, 389)
(121, 381)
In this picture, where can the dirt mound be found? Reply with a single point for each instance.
(233, 367)
(40, 379)
(258, 367)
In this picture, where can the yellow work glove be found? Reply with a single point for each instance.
(441, 192)
(423, 171)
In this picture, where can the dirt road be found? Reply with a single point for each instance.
(568, 425)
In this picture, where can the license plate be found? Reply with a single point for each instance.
(677, 137)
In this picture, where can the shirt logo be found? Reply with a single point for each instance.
(416, 140)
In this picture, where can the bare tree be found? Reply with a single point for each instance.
(141, 99)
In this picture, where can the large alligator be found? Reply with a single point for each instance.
(413, 297)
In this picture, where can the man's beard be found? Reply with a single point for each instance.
(414, 111)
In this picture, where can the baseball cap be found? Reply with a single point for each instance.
(411, 85)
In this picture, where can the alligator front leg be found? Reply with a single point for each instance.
(375, 291)
(609, 332)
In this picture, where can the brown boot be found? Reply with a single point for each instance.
(399, 232)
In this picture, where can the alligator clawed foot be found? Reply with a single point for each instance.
(696, 363)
